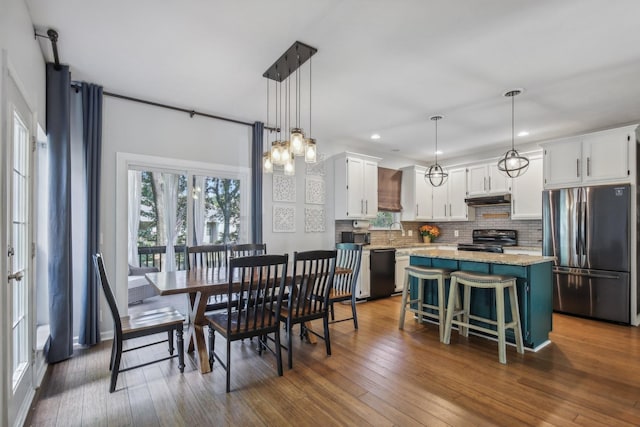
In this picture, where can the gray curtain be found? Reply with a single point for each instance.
(92, 143)
(257, 147)
(59, 345)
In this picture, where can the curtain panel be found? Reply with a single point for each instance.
(92, 144)
(389, 189)
(257, 147)
(59, 345)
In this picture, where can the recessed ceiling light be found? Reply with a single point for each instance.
(375, 136)
(523, 133)
(395, 150)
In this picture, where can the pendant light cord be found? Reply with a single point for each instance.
(512, 122)
(436, 141)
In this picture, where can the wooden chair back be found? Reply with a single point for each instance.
(313, 275)
(248, 249)
(206, 256)
(349, 257)
(261, 281)
(98, 262)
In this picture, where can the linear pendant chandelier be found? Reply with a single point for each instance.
(292, 142)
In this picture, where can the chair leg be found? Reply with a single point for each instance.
(116, 365)
(333, 314)
(212, 340)
(290, 344)
(403, 306)
(453, 290)
(113, 354)
(170, 341)
(441, 306)
(327, 340)
(464, 331)
(502, 348)
(180, 342)
(278, 351)
(515, 317)
(353, 312)
(228, 365)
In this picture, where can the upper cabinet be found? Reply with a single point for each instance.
(599, 157)
(486, 179)
(356, 186)
(448, 199)
(416, 196)
(526, 191)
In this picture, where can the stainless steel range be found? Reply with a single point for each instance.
(490, 240)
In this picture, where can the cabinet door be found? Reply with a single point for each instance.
(363, 283)
(355, 188)
(606, 156)
(562, 163)
(526, 195)
(497, 182)
(441, 201)
(458, 210)
(370, 189)
(477, 180)
(401, 263)
(424, 192)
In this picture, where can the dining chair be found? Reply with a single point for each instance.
(141, 325)
(348, 258)
(214, 257)
(206, 256)
(311, 282)
(248, 249)
(262, 279)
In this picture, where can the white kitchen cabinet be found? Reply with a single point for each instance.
(363, 284)
(594, 158)
(485, 179)
(356, 186)
(526, 191)
(416, 195)
(402, 261)
(448, 199)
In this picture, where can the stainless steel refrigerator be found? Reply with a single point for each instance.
(588, 230)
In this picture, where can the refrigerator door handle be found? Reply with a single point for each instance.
(584, 274)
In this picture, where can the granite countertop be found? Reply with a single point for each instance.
(410, 248)
(488, 257)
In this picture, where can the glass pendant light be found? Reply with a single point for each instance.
(290, 165)
(436, 175)
(311, 150)
(267, 164)
(512, 164)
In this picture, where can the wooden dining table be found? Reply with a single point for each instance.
(199, 284)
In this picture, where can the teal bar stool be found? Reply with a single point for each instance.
(484, 281)
(423, 274)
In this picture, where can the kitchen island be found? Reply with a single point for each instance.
(534, 282)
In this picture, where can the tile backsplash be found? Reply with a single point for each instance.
(529, 231)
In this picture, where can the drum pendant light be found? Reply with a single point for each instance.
(512, 164)
(436, 175)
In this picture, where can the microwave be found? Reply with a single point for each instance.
(362, 238)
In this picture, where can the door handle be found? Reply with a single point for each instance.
(17, 276)
(577, 168)
(484, 184)
(489, 183)
(361, 206)
(366, 210)
(588, 166)
(417, 210)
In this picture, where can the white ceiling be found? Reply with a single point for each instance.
(382, 66)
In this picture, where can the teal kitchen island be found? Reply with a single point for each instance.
(534, 284)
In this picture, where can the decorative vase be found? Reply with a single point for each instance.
(426, 239)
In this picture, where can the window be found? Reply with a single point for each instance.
(384, 220)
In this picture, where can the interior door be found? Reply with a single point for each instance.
(19, 331)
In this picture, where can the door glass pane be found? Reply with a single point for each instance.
(216, 210)
(19, 243)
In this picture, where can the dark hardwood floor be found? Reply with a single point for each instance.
(378, 375)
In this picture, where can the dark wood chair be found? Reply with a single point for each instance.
(214, 257)
(248, 249)
(206, 256)
(144, 324)
(312, 280)
(349, 256)
(262, 280)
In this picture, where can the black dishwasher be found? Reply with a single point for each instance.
(382, 271)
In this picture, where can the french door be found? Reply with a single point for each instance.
(18, 282)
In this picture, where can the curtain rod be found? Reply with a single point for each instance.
(172, 107)
(52, 35)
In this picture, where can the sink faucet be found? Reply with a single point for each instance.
(391, 239)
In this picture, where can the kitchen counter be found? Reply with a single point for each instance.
(533, 281)
(485, 257)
